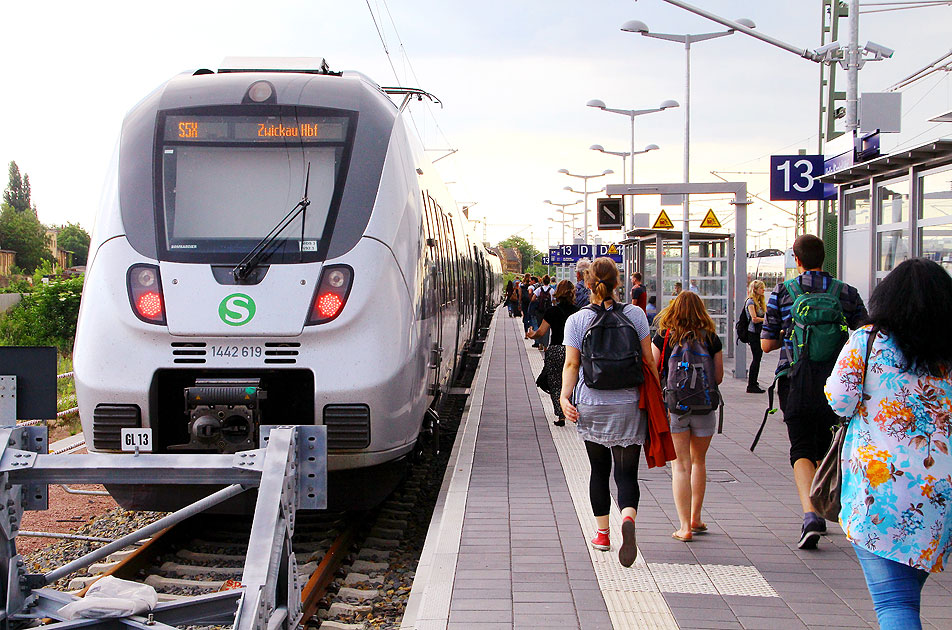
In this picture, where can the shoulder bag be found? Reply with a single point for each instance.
(828, 480)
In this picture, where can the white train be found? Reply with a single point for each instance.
(273, 247)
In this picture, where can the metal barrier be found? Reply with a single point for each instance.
(290, 473)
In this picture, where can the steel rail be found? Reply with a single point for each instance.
(323, 575)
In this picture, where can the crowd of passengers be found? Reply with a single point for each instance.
(889, 382)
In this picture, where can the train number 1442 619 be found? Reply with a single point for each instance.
(236, 352)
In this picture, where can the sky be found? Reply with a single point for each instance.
(513, 77)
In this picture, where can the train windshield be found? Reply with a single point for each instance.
(227, 180)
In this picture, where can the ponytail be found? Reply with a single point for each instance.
(603, 278)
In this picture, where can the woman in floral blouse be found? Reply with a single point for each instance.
(897, 470)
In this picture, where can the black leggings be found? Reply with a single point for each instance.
(626, 476)
(756, 353)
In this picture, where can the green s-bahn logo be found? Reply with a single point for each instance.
(237, 309)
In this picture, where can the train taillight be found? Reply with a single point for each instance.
(145, 293)
(331, 294)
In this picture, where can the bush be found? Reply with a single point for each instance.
(45, 317)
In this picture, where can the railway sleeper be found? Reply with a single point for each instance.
(158, 581)
(344, 610)
(373, 554)
(358, 594)
(362, 578)
(364, 566)
(229, 572)
(337, 625)
(380, 543)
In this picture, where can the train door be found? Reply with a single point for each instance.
(433, 296)
(453, 309)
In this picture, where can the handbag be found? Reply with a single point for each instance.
(828, 481)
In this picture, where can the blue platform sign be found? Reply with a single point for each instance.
(793, 178)
(571, 254)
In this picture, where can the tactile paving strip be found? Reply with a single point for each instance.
(682, 578)
(739, 580)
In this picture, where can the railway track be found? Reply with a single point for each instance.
(356, 569)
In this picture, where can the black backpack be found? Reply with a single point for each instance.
(545, 298)
(611, 350)
(741, 327)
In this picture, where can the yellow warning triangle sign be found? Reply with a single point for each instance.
(662, 222)
(612, 250)
(710, 221)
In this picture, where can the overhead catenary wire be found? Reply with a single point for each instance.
(902, 6)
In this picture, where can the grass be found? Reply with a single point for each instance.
(65, 399)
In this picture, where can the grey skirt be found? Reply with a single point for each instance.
(612, 425)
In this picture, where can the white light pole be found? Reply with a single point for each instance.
(632, 114)
(560, 207)
(585, 192)
(624, 156)
(636, 26)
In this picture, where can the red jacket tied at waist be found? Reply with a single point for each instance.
(659, 448)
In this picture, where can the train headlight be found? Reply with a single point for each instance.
(145, 293)
(331, 294)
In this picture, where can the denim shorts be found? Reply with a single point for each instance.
(700, 426)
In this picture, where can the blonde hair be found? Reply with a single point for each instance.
(760, 300)
(602, 278)
(686, 315)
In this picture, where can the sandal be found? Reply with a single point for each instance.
(681, 538)
(697, 529)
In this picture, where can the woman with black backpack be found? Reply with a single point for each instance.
(604, 402)
(688, 353)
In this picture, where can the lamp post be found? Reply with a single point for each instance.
(560, 207)
(632, 114)
(585, 191)
(624, 156)
(636, 26)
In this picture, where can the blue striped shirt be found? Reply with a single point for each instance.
(778, 321)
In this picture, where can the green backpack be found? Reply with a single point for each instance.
(819, 325)
(819, 332)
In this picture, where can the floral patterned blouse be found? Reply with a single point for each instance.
(897, 471)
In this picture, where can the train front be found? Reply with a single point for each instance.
(231, 283)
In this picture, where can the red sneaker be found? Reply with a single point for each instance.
(628, 552)
(601, 541)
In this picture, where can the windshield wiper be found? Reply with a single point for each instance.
(260, 251)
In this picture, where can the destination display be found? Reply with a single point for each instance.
(571, 254)
(246, 129)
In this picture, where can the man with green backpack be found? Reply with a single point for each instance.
(808, 319)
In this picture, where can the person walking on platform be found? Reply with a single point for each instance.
(542, 300)
(756, 309)
(686, 338)
(525, 294)
(554, 320)
(639, 295)
(893, 381)
(651, 310)
(509, 295)
(581, 291)
(604, 402)
(806, 319)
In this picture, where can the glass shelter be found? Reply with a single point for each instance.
(657, 255)
(892, 208)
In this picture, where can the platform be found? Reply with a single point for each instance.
(508, 542)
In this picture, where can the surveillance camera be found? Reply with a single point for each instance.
(880, 51)
(828, 52)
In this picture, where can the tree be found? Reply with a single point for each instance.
(23, 233)
(74, 238)
(529, 253)
(17, 192)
